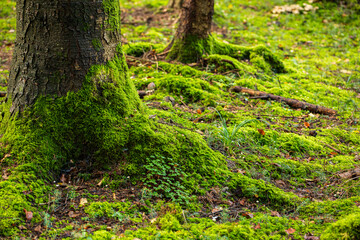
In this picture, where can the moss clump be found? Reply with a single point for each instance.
(346, 228)
(224, 63)
(106, 209)
(336, 209)
(112, 10)
(258, 189)
(140, 48)
(192, 49)
(191, 89)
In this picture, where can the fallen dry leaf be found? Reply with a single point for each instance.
(257, 226)
(83, 201)
(151, 86)
(63, 178)
(275, 214)
(248, 215)
(38, 228)
(99, 184)
(214, 210)
(262, 132)
(242, 202)
(5, 176)
(280, 182)
(6, 156)
(345, 71)
(28, 215)
(290, 231)
(72, 214)
(311, 238)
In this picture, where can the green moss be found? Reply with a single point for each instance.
(267, 193)
(191, 89)
(138, 49)
(346, 228)
(335, 209)
(102, 235)
(191, 49)
(22, 190)
(96, 44)
(224, 63)
(112, 10)
(107, 209)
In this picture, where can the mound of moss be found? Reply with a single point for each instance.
(140, 48)
(192, 49)
(346, 228)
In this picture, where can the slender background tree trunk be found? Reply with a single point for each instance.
(175, 4)
(195, 19)
(194, 27)
(57, 42)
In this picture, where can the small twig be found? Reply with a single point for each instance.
(163, 53)
(184, 216)
(331, 147)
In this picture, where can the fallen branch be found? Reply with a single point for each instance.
(293, 103)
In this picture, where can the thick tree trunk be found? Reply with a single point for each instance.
(57, 42)
(175, 4)
(194, 29)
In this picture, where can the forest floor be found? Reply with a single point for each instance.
(314, 156)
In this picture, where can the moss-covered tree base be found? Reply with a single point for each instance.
(102, 124)
(192, 49)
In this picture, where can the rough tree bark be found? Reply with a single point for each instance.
(193, 31)
(57, 42)
(175, 4)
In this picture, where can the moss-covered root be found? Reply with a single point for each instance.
(347, 228)
(258, 189)
(192, 49)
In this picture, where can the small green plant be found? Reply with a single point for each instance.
(122, 217)
(164, 179)
(84, 176)
(46, 220)
(72, 193)
(228, 137)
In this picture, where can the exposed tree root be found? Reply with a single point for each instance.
(293, 103)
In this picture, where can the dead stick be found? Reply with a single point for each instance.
(289, 101)
(329, 146)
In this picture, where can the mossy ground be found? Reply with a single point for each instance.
(279, 183)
